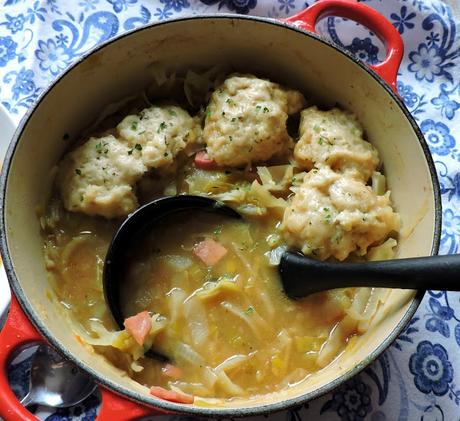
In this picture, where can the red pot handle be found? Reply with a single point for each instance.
(18, 331)
(116, 407)
(367, 16)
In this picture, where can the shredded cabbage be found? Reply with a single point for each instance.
(274, 256)
(198, 86)
(229, 386)
(208, 182)
(231, 363)
(280, 360)
(223, 285)
(104, 337)
(384, 251)
(159, 73)
(253, 201)
(276, 178)
(186, 354)
(258, 325)
(197, 320)
(176, 298)
(190, 388)
(121, 340)
(379, 185)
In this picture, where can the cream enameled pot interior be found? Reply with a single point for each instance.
(120, 69)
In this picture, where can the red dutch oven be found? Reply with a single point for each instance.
(288, 51)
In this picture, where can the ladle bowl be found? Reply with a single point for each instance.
(139, 223)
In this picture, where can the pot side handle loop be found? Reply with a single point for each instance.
(17, 331)
(365, 15)
(116, 407)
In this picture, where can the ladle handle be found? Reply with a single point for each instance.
(303, 276)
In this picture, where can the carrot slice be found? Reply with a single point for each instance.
(204, 162)
(139, 326)
(172, 371)
(170, 395)
(210, 251)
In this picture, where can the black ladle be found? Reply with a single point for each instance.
(300, 276)
(133, 229)
(431, 272)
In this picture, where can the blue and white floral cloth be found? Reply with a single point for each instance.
(418, 377)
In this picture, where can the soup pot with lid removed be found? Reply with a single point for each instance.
(288, 53)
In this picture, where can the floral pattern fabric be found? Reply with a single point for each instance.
(418, 377)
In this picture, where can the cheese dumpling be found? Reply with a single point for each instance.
(98, 178)
(160, 133)
(334, 138)
(333, 215)
(246, 121)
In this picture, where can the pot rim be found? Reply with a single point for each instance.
(193, 410)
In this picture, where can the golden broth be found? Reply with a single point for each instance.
(232, 318)
(233, 310)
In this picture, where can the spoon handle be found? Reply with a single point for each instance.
(303, 276)
(28, 399)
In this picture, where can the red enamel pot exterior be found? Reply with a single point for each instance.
(388, 68)
(19, 330)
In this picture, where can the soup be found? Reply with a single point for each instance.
(203, 289)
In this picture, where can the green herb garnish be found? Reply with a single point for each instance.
(162, 126)
(101, 147)
(249, 310)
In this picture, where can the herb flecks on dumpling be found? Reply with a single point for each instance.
(246, 121)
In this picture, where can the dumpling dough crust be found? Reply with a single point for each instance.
(161, 133)
(246, 120)
(334, 138)
(332, 215)
(98, 177)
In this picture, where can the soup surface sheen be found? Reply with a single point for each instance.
(203, 289)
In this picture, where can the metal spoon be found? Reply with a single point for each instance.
(132, 230)
(56, 382)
